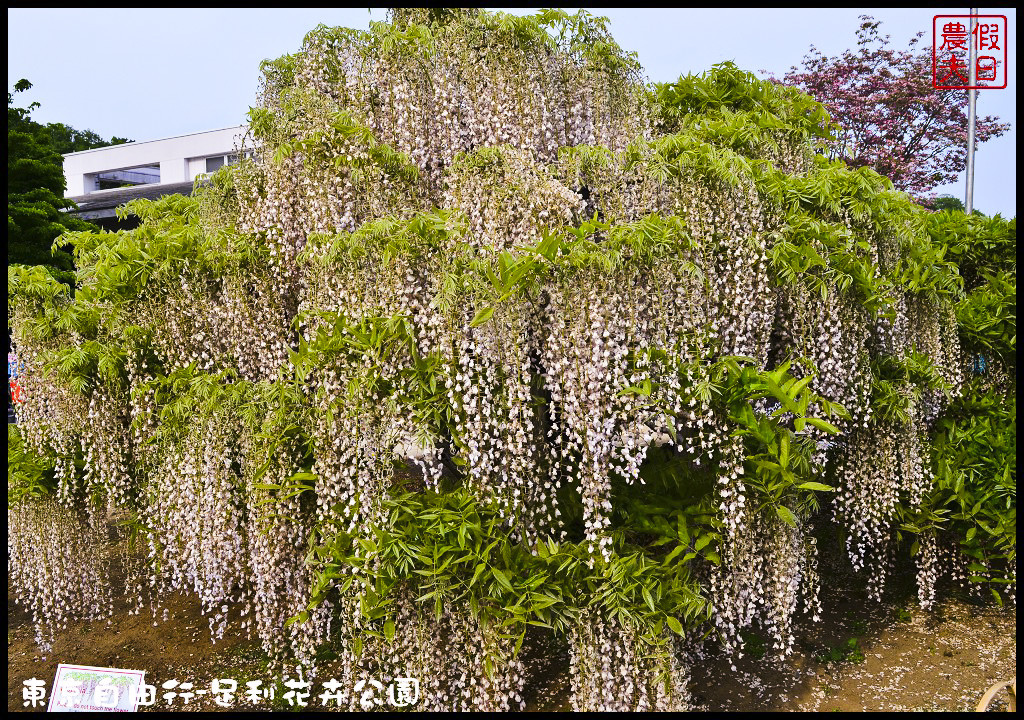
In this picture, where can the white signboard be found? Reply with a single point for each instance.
(80, 688)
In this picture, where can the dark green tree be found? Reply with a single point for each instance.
(66, 139)
(945, 202)
(36, 207)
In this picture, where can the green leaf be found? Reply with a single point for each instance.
(779, 394)
(389, 630)
(675, 552)
(799, 386)
(300, 618)
(674, 624)
(682, 531)
(501, 578)
(786, 515)
(822, 425)
(816, 486)
(482, 316)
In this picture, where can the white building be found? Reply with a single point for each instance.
(101, 179)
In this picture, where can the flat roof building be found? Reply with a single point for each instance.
(100, 180)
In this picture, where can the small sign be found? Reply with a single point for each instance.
(952, 38)
(80, 688)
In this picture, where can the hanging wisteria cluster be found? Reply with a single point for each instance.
(487, 334)
(613, 670)
(57, 567)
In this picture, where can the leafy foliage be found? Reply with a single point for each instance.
(36, 208)
(972, 504)
(28, 476)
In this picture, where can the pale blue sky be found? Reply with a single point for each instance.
(152, 73)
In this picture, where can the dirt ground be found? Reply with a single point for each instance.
(872, 657)
(865, 657)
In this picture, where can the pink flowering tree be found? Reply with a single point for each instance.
(888, 114)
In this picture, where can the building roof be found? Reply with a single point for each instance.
(168, 161)
(102, 203)
(135, 143)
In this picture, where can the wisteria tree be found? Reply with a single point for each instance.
(889, 116)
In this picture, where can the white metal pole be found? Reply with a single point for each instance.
(972, 102)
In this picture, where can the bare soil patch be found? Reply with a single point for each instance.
(874, 657)
(863, 657)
